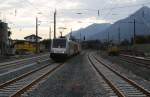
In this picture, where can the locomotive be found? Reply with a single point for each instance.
(63, 47)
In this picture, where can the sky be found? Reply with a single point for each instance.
(71, 14)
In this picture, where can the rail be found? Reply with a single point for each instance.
(119, 83)
(19, 85)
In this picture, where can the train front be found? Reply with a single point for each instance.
(58, 49)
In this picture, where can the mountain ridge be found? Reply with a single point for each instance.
(125, 26)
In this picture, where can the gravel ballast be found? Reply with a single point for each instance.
(75, 79)
(132, 71)
(15, 73)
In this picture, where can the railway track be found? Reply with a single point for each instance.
(22, 60)
(21, 84)
(138, 61)
(116, 83)
(20, 63)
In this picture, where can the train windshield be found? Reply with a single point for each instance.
(59, 43)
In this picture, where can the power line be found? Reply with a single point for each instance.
(36, 8)
(95, 10)
(111, 8)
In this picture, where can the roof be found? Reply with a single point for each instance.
(33, 35)
(21, 41)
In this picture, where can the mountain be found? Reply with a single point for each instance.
(90, 31)
(126, 26)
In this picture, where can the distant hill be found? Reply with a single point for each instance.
(90, 31)
(142, 26)
(100, 31)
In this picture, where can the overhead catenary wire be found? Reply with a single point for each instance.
(99, 9)
(93, 10)
(88, 9)
(110, 9)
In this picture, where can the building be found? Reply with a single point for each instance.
(32, 38)
(4, 38)
(28, 45)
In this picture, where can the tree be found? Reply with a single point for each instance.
(9, 33)
(141, 39)
(46, 43)
(125, 42)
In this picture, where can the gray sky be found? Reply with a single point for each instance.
(20, 14)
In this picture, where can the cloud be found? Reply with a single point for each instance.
(121, 1)
(9, 4)
(67, 15)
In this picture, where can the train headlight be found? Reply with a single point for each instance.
(63, 52)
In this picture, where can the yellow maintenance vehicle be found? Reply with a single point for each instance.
(113, 50)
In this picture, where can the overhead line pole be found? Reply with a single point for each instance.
(55, 24)
(108, 37)
(37, 35)
(80, 37)
(134, 34)
(134, 30)
(108, 40)
(119, 35)
(71, 33)
(50, 31)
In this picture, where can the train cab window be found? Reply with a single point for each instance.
(59, 43)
